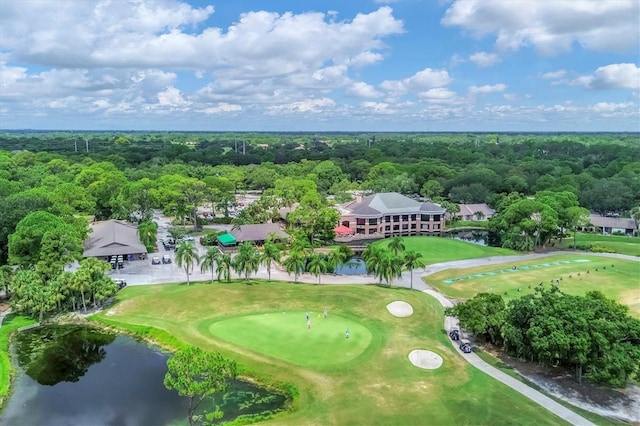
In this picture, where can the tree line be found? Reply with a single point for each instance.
(593, 335)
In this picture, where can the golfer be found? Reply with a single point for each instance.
(347, 333)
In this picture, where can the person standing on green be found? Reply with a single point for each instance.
(346, 333)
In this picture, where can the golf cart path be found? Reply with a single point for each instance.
(537, 397)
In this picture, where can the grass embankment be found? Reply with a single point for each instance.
(9, 325)
(598, 242)
(437, 249)
(617, 279)
(366, 379)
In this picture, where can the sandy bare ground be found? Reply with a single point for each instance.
(425, 359)
(400, 309)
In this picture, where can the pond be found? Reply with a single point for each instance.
(354, 266)
(471, 236)
(76, 375)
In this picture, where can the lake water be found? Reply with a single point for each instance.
(354, 266)
(73, 375)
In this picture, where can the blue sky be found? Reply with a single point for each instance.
(404, 65)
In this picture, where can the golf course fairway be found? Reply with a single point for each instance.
(287, 336)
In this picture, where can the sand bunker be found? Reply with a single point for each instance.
(400, 309)
(425, 359)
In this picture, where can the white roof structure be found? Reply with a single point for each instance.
(112, 238)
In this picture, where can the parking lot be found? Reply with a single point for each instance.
(139, 272)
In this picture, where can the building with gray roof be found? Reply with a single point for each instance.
(390, 214)
(113, 238)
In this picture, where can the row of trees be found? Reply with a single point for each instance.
(591, 334)
(385, 263)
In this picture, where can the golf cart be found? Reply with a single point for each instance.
(465, 346)
(166, 259)
(120, 283)
(454, 333)
(155, 260)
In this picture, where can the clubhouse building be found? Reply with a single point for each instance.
(388, 214)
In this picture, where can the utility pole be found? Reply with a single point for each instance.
(75, 142)
(87, 143)
(236, 142)
(243, 147)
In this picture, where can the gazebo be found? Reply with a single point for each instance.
(343, 231)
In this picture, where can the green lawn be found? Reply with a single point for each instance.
(437, 249)
(287, 336)
(614, 243)
(617, 279)
(9, 325)
(366, 379)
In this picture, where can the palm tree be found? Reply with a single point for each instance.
(209, 260)
(317, 265)
(371, 256)
(186, 257)
(247, 260)
(397, 245)
(148, 231)
(223, 267)
(389, 267)
(295, 263)
(270, 254)
(412, 260)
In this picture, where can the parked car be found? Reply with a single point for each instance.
(166, 259)
(156, 260)
(120, 283)
(454, 333)
(465, 346)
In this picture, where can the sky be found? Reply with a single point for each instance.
(330, 65)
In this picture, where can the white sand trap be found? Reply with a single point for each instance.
(425, 359)
(400, 309)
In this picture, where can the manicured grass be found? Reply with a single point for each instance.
(9, 325)
(437, 249)
(376, 384)
(620, 281)
(286, 335)
(613, 243)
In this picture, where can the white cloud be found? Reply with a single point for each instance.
(551, 26)
(614, 76)
(554, 74)
(309, 105)
(484, 59)
(438, 96)
(363, 91)
(481, 90)
(425, 79)
(221, 108)
(172, 97)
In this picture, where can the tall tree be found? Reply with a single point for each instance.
(247, 260)
(317, 265)
(413, 260)
(223, 267)
(197, 375)
(209, 259)
(187, 257)
(396, 244)
(270, 254)
(295, 263)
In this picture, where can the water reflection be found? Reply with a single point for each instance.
(79, 376)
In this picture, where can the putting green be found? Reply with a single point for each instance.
(285, 335)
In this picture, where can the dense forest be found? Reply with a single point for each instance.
(116, 175)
